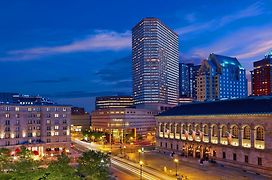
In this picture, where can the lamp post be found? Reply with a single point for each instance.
(141, 169)
(139, 151)
(109, 153)
(111, 136)
(124, 147)
(176, 162)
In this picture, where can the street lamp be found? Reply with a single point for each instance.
(176, 162)
(109, 153)
(141, 169)
(139, 151)
(124, 150)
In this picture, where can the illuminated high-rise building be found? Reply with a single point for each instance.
(155, 59)
(221, 77)
(261, 76)
(187, 80)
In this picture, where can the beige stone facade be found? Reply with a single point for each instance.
(41, 128)
(240, 140)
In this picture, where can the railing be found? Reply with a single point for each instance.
(246, 143)
(177, 136)
(224, 141)
(206, 139)
(183, 137)
(235, 142)
(214, 140)
(259, 144)
(161, 134)
(197, 138)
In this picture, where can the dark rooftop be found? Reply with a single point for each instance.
(250, 105)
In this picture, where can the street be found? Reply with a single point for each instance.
(157, 165)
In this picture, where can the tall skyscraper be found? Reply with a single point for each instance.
(184, 90)
(261, 76)
(155, 60)
(221, 77)
(187, 80)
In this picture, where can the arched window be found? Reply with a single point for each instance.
(246, 134)
(206, 130)
(172, 128)
(197, 128)
(190, 128)
(214, 130)
(260, 133)
(234, 131)
(224, 131)
(167, 127)
(161, 127)
(178, 128)
(184, 127)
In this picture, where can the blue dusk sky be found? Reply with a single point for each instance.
(72, 51)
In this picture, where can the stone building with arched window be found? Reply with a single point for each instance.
(232, 132)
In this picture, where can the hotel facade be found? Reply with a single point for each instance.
(43, 128)
(231, 132)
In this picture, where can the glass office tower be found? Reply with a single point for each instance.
(187, 80)
(221, 77)
(155, 61)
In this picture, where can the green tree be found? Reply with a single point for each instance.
(24, 167)
(25, 153)
(5, 159)
(60, 170)
(94, 165)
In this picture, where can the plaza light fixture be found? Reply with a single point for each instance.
(124, 147)
(140, 151)
(141, 169)
(176, 163)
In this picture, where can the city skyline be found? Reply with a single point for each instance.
(75, 52)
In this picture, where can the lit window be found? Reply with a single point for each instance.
(17, 109)
(56, 127)
(56, 115)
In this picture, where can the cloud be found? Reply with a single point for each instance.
(194, 57)
(213, 24)
(118, 70)
(191, 17)
(245, 44)
(261, 47)
(251, 11)
(101, 41)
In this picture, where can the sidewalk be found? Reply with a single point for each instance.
(191, 168)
